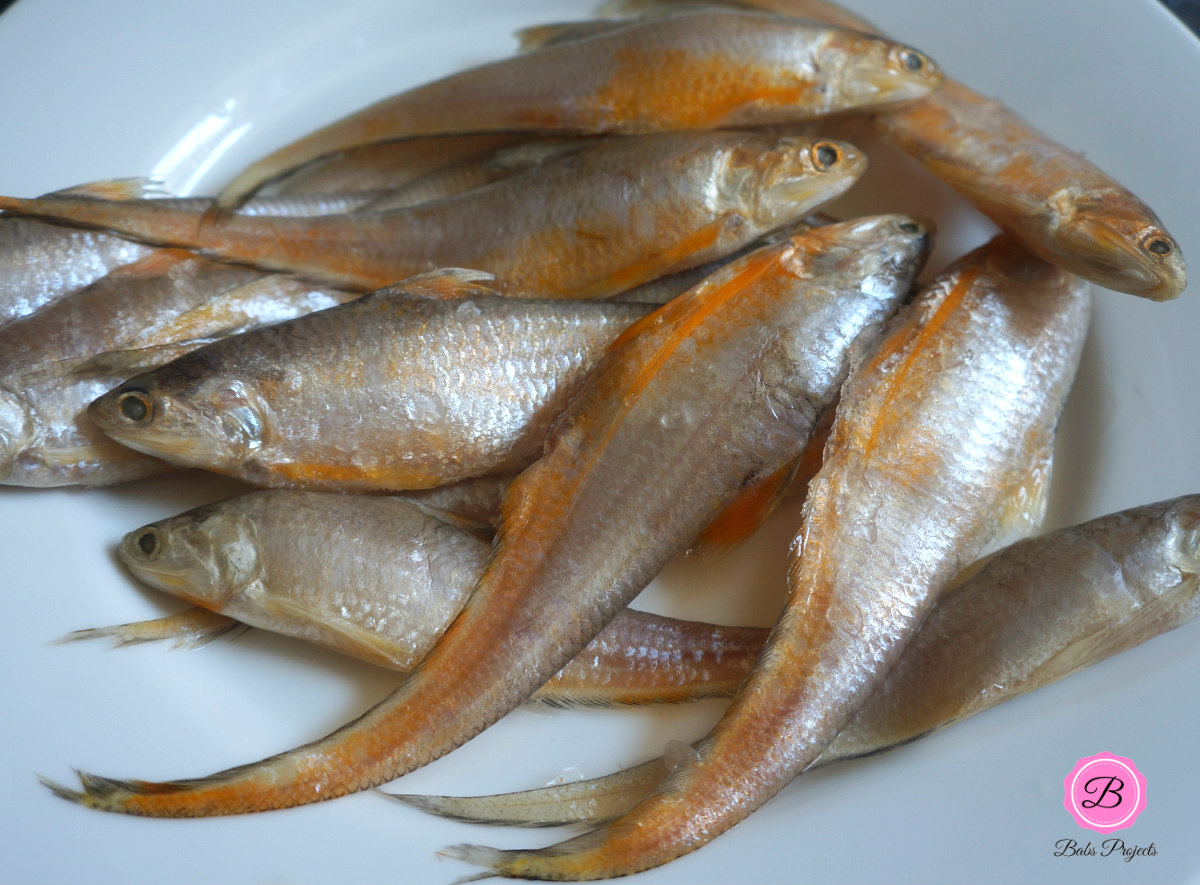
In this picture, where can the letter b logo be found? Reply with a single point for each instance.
(1105, 792)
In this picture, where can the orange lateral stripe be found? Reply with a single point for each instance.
(949, 305)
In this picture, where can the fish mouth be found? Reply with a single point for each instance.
(811, 190)
(908, 75)
(1121, 260)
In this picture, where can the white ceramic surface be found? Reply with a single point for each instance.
(194, 91)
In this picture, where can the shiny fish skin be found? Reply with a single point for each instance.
(742, 365)
(717, 68)
(54, 363)
(389, 164)
(1027, 616)
(45, 440)
(592, 223)
(1062, 206)
(937, 432)
(379, 579)
(395, 391)
(120, 310)
(41, 263)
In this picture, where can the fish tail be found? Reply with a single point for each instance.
(463, 809)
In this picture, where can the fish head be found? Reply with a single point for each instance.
(206, 556)
(790, 177)
(887, 251)
(197, 419)
(1108, 236)
(16, 430)
(873, 71)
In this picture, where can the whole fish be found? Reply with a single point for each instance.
(378, 578)
(717, 68)
(400, 390)
(590, 223)
(1025, 617)
(739, 367)
(948, 423)
(1061, 205)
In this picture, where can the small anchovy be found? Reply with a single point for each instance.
(740, 366)
(1023, 618)
(379, 578)
(590, 223)
(943, 431)
(712, 69)
(1061, 205)
(394, 391)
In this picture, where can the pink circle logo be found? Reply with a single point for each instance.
(1105, 792)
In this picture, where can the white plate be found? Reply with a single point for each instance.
(194, 91)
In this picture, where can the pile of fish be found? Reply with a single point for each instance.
(524, 335)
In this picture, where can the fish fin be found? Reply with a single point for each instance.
(154, 265)
(643, 9)
(476, 527)
(117, 189)
(1152, 618)
(1022, 508)
(445, 283)
(127, 362)
(537, 37)
(190, 628)
(534, 153)
(358, 641)
(240, 308)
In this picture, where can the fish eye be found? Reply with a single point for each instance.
(825, 154)
(909, 227)
(149, 542)
(134, 405)
(912, 60)
(1158, 245)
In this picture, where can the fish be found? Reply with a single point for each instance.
(1024, 617)
(379, 578)
(590, 223)
(403, 389)
(42, 263)
(55, 362)
(943, 435)
(741, 365)
(392, 164)
(1062, 206)
(45, 439)
(714, 69)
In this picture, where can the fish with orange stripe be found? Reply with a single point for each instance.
(722, 384)
(718, 68)
(587, 223)
(1060, 204)
(942, 436)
